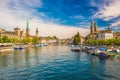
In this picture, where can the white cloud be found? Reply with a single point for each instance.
(18, 14)
(109, 10)
(61, 31)
(117, 23)
(25, 3)
(93, 3)
(78, 17)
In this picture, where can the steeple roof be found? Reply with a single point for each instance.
(27, 26)
(92, 24)
(95, 24)
(108, 26)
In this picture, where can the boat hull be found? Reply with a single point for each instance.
(19, 48)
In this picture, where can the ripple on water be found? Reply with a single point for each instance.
(56, 63)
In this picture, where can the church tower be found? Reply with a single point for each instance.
(109, 30)
(95, 28)
(17, 30)
(108, 26)
(27, 30)
(92, 27)
(37, 32)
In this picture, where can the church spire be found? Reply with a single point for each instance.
(37, 32)
(108, 26)
(92, 27)
(95, 27)
(37, 29)
(27, 30)
(27, 26)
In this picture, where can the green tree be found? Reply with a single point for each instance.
(15, 40)
(77, 39)
(116, 41)
(0, 40)
(55, 37)
(35, 40)
(27, 40)
(5, 39)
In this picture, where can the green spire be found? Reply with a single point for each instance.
(27, 26)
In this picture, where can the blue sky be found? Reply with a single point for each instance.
(52, 16)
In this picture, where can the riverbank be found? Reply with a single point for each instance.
(6, 49)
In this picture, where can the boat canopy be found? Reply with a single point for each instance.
(102, 48)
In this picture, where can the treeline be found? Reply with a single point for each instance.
(50, 37)
(25, 40)
(5, 39)
(104, 42)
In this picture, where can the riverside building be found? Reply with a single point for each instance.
(18, 33)
(96, 34)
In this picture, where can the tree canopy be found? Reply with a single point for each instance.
(113, 41)
(77, 39)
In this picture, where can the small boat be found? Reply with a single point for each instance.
(117, 57)
(38, 45)
(112, 53)
(91, 50)
(19, 47)
(85, 48)
(76, 48)
(102, 53)
(45, 45)
(113, 50)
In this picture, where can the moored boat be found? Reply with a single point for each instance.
(103, 55)
(40, 45)
(76, 48)
(101, 52)
(112, 53)
(19, 47)
(85, 48)
(91, 50)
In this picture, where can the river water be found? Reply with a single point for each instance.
(56, 63)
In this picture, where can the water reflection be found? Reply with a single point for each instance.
(3, 60)
(16, 58)
(94, 61)
(77, 56)
(27, 57)
(36, 55)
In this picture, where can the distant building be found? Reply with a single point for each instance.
(18, 33)
(12, 34)
(37, 32)
(27, 30)
(93, 28)
(95, 33)
(104, 36)
(82, 40)
(46, 40)
(116, 34)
